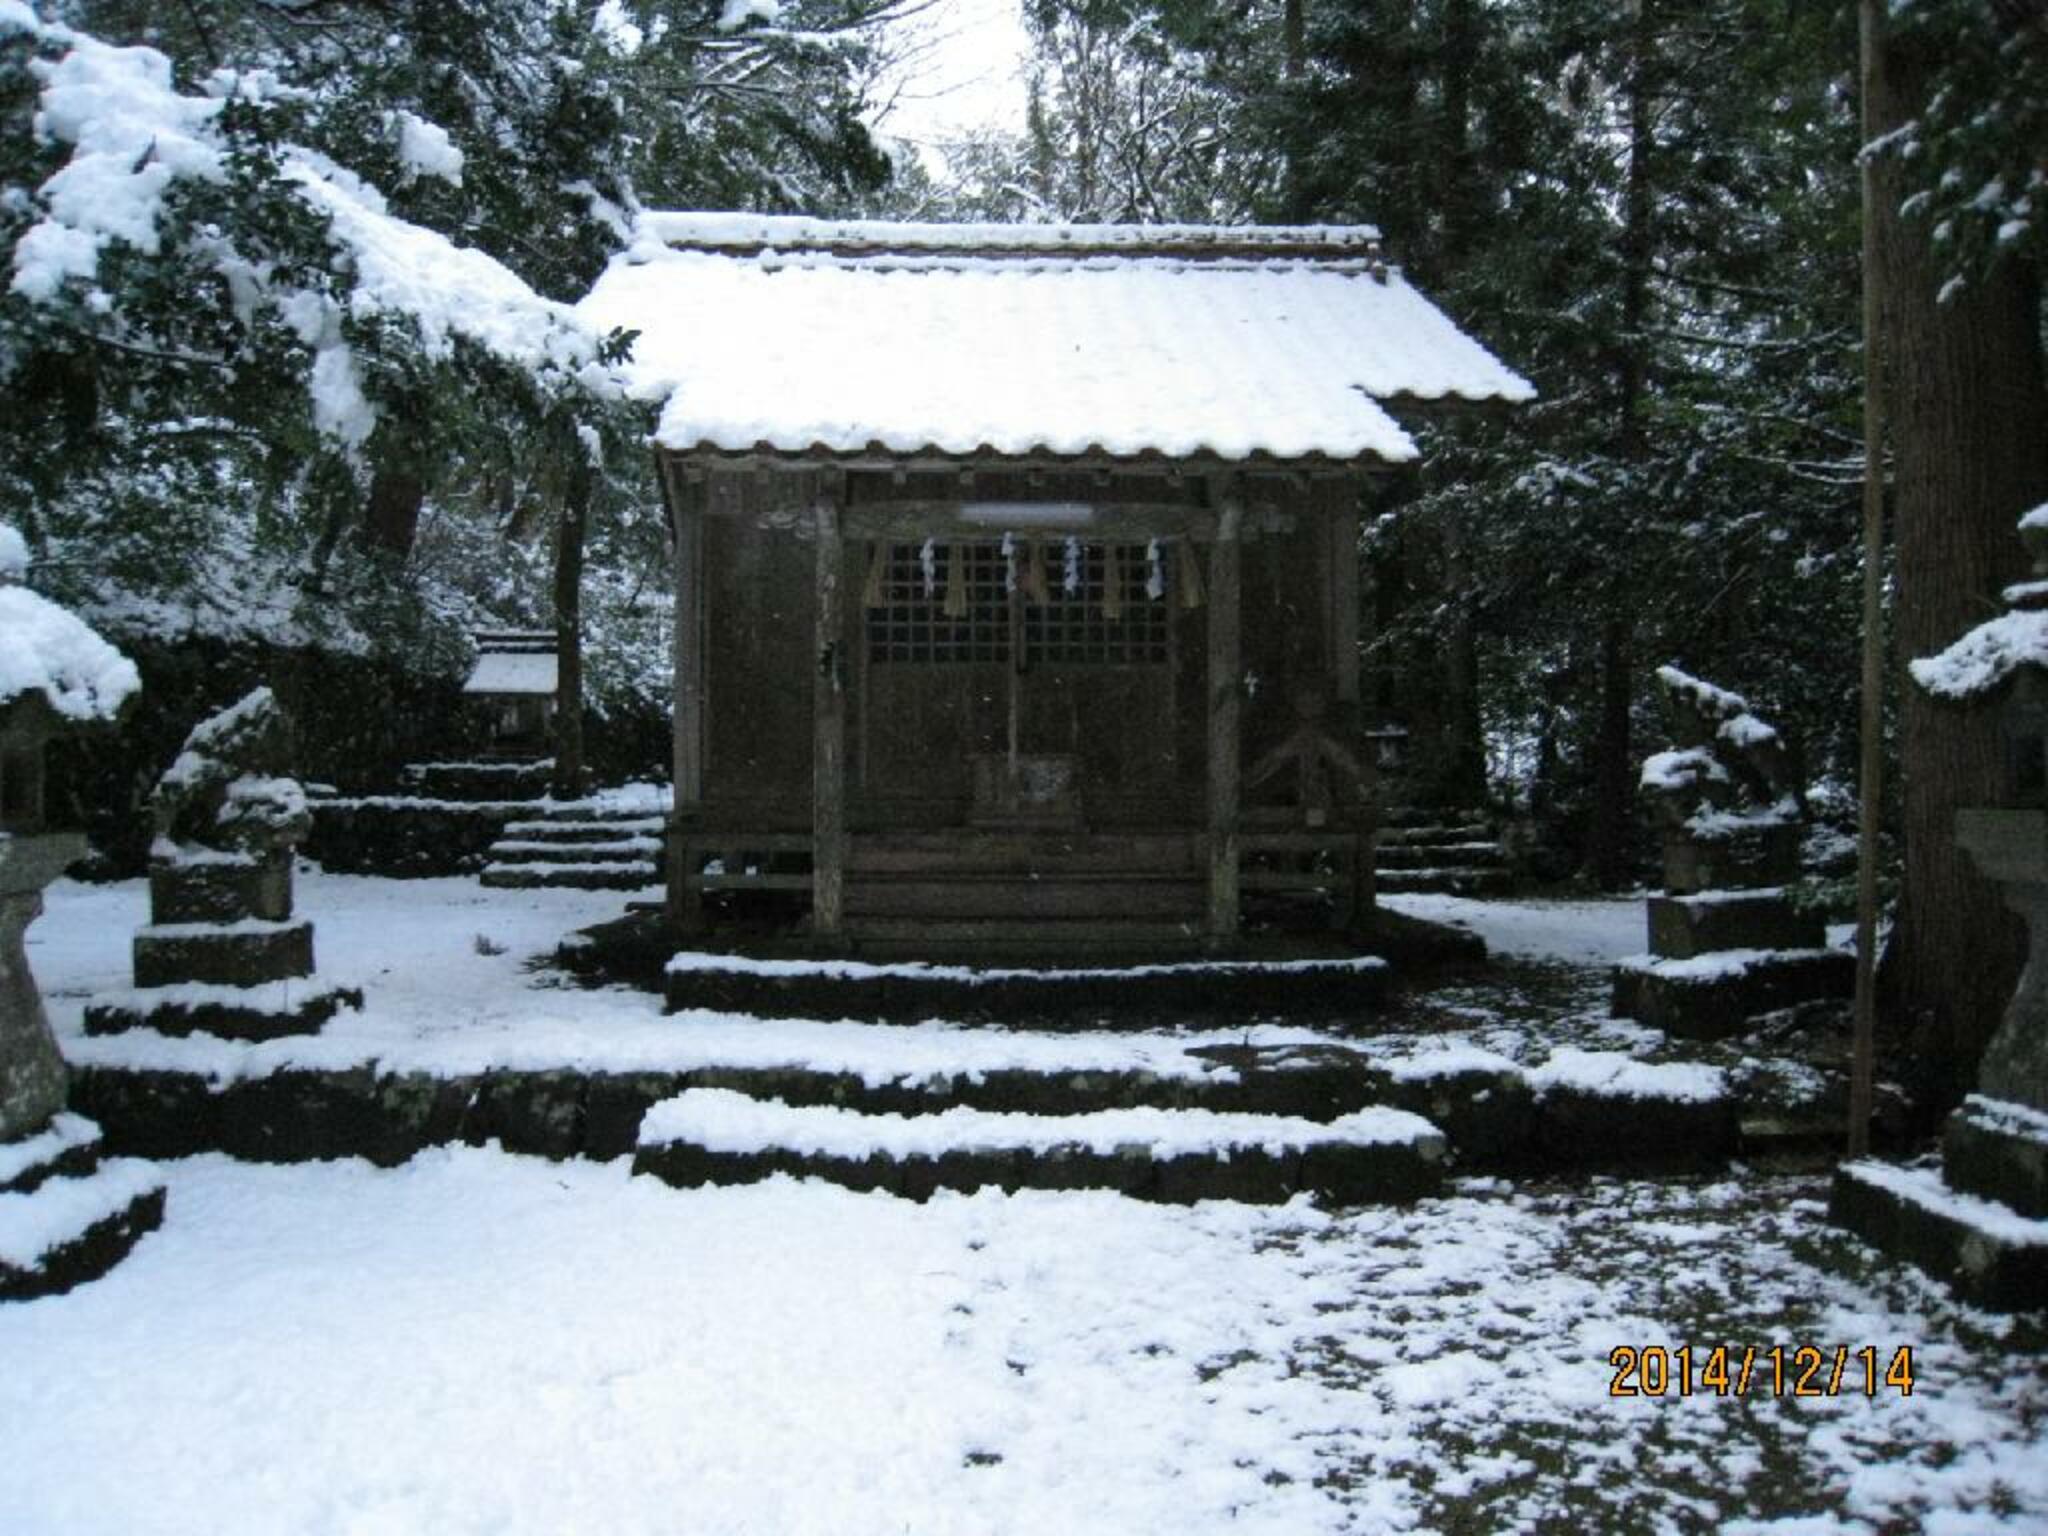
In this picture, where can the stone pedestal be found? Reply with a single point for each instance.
(1741, 858)
(1720, 957)
(222, 954)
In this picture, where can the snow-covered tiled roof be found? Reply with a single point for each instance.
(807, 336)
(521, 672)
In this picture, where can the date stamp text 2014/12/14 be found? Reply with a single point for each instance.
(1805, 1370)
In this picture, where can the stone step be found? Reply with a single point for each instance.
(1444, 881)
(268, 1011)
(1985, 1252)
(1456, 855)
(67, 1148)
(1582, 1111)
(1087, 938)
(634, 850)
(1079, 898)
(1025, 854)
(1438, 832)
(482, 780)
(585, 829)
(70, 1230)
(585, 876)
(716, 1136)
(1077, 993)
(648, 818)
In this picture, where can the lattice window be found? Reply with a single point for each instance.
(1077, 624)
(1101, 604)
(911, 623)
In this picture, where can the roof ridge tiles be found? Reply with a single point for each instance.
(750, 234)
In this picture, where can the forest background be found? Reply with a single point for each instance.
(240, 445)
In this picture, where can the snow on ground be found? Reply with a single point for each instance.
(445, 970)
(1597, 931)
(480, 1342)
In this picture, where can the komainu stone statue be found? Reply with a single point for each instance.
(223, 952)
(1726, 941)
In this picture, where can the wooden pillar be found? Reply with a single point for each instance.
(687, 494)
(828, 740)
(1226, 695)
(1342, 520)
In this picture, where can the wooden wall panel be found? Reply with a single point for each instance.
(760, 656)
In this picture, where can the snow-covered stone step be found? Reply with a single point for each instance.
(583, 876)
(1412, 855)
(65, 1148)
(67, 1231)
(269, 1010)
(1986, 1252)
(640, 815)
(585, 831)
(560, 1089)
(1452, 832)
(636, 850)
(483, 780)
(1099, 995)
(1444, 881)
(717, 1136)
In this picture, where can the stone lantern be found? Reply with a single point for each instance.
(65, 1217)
(1980, 1221)
(31, 856)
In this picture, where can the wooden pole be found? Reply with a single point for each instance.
(828, 742)
(687, 495)
(1862, 1067)
(1226, 694)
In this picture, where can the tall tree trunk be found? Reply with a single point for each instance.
(1294, 40)
(391, 520)
(1968, 408)
(569, 539)
(1465, 737)
(1611, 838)
(1465, 779)
(1457, 173)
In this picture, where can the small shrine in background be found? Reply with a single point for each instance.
(1979, 1221)
(223, 952)
(1726, 941)
(511, 690)
(66, 1217)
